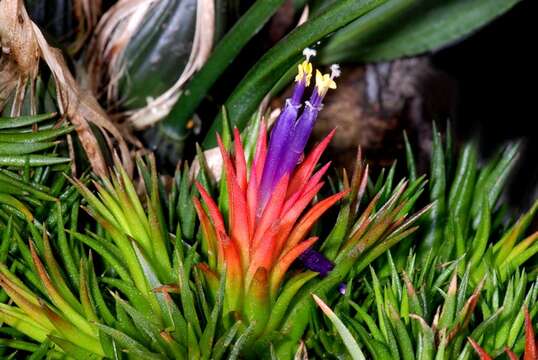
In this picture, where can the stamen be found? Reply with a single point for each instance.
(312, 106)
(304, 70)
(290, 103)
(308, 53)
(324, 82)
(335, 71)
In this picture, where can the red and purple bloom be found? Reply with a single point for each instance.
(268, 221)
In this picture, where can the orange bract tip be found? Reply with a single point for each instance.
(481, 352)
(530, 342)
(214, 212)
(311, 217)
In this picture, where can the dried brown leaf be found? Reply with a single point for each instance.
(23, 46)
(82, 109)
(19, 62)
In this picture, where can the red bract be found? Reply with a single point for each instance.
(269, 239)
(481, 352)
(530, 343)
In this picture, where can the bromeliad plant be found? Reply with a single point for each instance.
(467, 219)
(156, 305)
(142, 278)
(145, 292)
(265, 232)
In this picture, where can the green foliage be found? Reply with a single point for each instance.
(21, 145)
(467, 218)
(428, 312)
(132, 286)
(408, 28)
(32, 171)
(466, 274)
(129, 277)
(149, 299)
(344, 333)
(130, 280)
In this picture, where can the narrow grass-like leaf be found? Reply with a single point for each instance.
(130, 345)
(37, 136)
(206, 341)
(347, 338)
(8, 148)
(21, 121)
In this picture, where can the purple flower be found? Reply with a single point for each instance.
(280, 137)
(289, 135)
(295, 148)
(315, 261)
(282, 132)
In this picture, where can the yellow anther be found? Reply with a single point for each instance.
(324, 82)
(304, 71)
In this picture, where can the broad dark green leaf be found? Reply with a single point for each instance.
(407, 28)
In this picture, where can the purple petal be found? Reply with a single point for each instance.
(342, 287)
(315, 99)
(280, 137)
(301, 133)
(298, 91)
(315, 261)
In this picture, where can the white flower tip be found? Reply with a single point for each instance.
(308, 53)
(335, 71)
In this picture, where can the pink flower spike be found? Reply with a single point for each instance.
(313, 182)
(262, 255)
(317, 177)
(261, 152)
(240, 162)
(311, 217)
(306, 168)
(214, 212)
(290, 216)
(208, 231)
(234, 271)
(238, 213)
(252, 200)
(272, 210)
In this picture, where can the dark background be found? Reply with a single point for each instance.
(495, 70)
